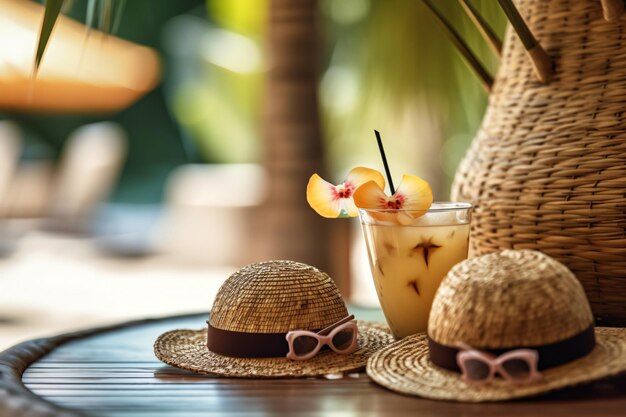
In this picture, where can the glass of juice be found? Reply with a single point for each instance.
(410, 253)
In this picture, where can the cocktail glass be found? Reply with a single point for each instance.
(410, 252)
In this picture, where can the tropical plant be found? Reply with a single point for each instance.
(155, 147)
(390, 68)
(103, 14)
(372, 79)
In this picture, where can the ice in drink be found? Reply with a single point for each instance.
(409, 260)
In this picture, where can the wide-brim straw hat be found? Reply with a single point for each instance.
(502, 301)
(272, 297)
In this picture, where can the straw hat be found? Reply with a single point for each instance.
(497, 303)
(269, 298)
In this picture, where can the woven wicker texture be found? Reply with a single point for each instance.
(276, 297)
(404, 367)
(501, 300)
(508, 299)
(272, 297)
(547, 170)
(187, 349)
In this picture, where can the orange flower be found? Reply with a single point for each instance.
(334, 201)
(413, 196)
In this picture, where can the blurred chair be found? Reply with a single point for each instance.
(128, 230)
(212, 213)
(89, 167)
(10, 148)
(28, 192)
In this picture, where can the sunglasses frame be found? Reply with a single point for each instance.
(323, 339)
(495, 365)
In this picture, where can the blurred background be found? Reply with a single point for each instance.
(139, 169)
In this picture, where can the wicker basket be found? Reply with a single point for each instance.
(547, 170)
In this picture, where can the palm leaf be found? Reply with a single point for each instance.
(119, 11)
(542, 64)
(67, 6)
(51, 13)
(483, 27)
(90, 18)
(106, 10)
(459, 43)
(518, 23)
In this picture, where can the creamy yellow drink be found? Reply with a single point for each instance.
(412, 242)
(410, 257)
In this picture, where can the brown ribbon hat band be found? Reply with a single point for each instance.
(246, 345)
(550, 355)
(256, 345)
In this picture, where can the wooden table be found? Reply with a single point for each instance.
(115, 373)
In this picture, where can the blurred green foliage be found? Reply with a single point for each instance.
(393, 69)
(385, 65)
(217, 78)
(242, 16)
(156, 143)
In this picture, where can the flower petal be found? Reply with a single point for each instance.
(418, 195)
(350, 208)
(369, 195)
(360, 175)
(321, 197)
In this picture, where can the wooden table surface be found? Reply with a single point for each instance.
(116, 374)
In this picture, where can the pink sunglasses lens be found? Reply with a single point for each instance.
(343, 339)
(517, 368)
(304, 344)
(476, 370)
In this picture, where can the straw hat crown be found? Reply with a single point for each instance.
(276, 297)
(508, 299)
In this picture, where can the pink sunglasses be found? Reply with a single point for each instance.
(341, 337)
(518, 366)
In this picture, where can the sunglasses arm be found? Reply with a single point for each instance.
(328, 329)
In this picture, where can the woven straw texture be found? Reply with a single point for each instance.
(276, 297)
(508, 299)
(272, 297)
(404, 367)
(547, 170)
(501, 300)
(187, 349)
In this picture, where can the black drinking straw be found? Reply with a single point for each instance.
(382, 154)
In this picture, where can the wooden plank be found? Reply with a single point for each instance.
(116, 375)
(93, 365)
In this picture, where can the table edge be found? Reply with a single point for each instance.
(16, 399)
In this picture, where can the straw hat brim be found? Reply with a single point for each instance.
(404, 367)
(187, 349)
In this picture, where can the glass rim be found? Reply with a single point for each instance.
(436, 207)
